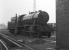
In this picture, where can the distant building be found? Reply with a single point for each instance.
(3, 26)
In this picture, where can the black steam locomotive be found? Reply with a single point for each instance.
(34, 24)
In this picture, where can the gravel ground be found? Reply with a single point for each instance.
(42, 44)
(35, 43)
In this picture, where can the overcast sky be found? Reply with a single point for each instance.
(8, 8)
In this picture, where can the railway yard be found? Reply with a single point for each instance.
(25, 43)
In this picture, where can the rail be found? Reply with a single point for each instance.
(19, 44)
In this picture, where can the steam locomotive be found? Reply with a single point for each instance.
(34, 24)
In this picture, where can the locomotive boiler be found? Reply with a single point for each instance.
(34, 24)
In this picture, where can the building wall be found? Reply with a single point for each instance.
(62, 17)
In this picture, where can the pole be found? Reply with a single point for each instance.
(16, 25)
(34, 5)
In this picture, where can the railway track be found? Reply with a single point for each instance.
(14, 41)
